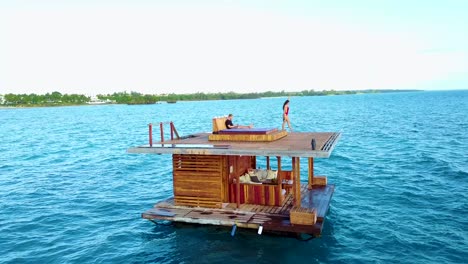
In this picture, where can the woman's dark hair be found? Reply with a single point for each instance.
(285, 103)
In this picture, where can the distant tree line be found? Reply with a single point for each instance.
(138, 98)
(56, 98)
(48, 99)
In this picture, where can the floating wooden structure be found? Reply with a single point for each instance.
(216, 181)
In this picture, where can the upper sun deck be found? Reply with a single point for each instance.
(295, 144)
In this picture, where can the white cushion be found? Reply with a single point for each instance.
(271, 174)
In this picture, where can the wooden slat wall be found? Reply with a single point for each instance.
(240, 165)
(198, 180)
(262, 194)
(285, 175)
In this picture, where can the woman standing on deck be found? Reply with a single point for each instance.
(286, 114)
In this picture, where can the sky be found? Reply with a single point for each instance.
(153, 47)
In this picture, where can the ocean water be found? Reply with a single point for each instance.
(71, 194)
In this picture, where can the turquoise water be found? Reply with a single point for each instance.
(71, 194)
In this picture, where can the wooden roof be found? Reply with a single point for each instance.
(296, 144)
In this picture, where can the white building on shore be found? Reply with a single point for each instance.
(95, 100)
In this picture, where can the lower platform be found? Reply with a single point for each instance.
(272, 218)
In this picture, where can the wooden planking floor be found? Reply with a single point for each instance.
(319, 197)
(274, 218)
(221, 216)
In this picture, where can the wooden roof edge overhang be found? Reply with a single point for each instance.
(296, 144)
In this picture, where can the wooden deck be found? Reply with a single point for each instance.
(296, 144)
(272, 218)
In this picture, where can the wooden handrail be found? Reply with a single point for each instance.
(161, 128)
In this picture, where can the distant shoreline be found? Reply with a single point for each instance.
(43, 106)
(56, 99)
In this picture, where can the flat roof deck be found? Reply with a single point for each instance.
(272, 218)
(295, 144)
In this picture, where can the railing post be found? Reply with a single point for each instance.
(162, 131)
(279, 162)
(172, 130)
(150, 128)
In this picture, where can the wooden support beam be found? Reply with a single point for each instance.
(268, 162)
(238, 190)
(311, 173)
(279, 178)
(297, 181)
(293, 177)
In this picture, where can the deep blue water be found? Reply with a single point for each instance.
(71, 194)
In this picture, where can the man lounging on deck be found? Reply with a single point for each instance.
(230, 125)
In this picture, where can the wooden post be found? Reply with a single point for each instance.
(238, 190)
(162, 131)
(297, 181)
(223, 167)
(175, 132)
(293, 177)
(150, 128)
(253, 162)
(172, 130)
(268, 162)
(311, 173)
(279, 178)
